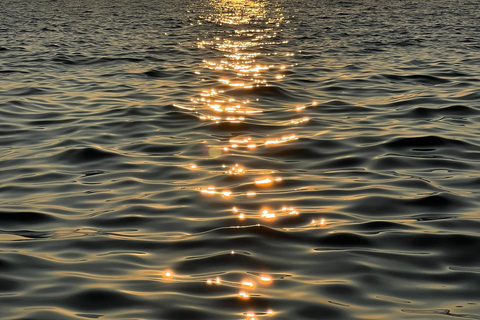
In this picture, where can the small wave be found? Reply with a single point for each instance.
(23, 219)
(272, 91)
(101, 300)
(80, 59)
(345, 240)
(27, 91)
(157, 73)
(388, 206)
(455, 110)
(155, 149)
(84, 155)
(416, 79)
(8, 284)
(433, 142)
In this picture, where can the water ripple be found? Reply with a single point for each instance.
(227, 159)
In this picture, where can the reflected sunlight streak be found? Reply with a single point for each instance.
(242, 61)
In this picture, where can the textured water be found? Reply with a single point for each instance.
(239, 159)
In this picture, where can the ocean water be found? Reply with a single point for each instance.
(239, 159)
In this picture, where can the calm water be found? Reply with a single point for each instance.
(239, 159)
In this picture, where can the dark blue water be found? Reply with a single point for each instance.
(239, 159)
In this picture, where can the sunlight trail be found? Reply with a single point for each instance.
(243, 55)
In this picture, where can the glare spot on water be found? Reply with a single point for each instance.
(242, 64)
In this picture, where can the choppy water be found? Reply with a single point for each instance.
(228, 159)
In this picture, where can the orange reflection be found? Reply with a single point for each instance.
(168, 274)
(282, 140)
(267, 181)
(300, 108)
(297, 121)
(268, 215)
(209, 190)
(247, 283)
(263, 182)
(320, 222)
(245, 58)
(226, 193)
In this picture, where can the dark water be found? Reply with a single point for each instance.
(239, 159)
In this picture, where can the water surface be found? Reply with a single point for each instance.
(227, 159)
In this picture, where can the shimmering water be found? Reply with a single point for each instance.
(239, 159)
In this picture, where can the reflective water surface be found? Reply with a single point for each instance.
(239, 159)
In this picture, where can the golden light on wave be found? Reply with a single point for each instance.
(209, 190)
(234, 144)
(290, 210)
(267, 181)
(298, 121)
(248, 283)
(216, 281)
(168, 274)
(300, 108)
(268, 215)
(263, 181)
(184, 108)
(226, 193)
(240, 141)
(320, 222)
(241, 215)
(245, 58)
(281, 140)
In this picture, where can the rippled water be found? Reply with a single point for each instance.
(239, 159)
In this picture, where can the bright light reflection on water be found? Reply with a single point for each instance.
(245, 48)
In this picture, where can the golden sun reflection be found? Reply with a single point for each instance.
(302, 120)
(305, 106)
(168, 274)
(281, 140)
(245, 57)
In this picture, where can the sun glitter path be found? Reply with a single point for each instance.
(251, 29)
